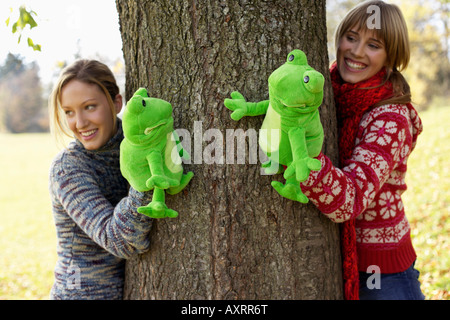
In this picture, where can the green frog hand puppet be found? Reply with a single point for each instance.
(150, 154)
(293, 131)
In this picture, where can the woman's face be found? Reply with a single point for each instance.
(360, 55)
(88, 113)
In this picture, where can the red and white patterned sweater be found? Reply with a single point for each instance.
(369, 187)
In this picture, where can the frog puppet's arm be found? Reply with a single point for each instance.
(242, 108)
(302, 163)
(158, 177)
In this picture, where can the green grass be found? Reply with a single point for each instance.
(27, 233)
(427, 202)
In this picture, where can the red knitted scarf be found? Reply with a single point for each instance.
(352, 101)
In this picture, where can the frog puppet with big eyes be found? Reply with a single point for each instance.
(150, 153)
(294, 133)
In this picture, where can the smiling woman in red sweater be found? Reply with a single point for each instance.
(378, 129)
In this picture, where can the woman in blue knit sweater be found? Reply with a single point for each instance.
(94, 208)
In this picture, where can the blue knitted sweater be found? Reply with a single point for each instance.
(97, 224)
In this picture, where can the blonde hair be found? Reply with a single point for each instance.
(392, 30)
(87, 71)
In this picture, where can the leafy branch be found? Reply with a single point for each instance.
(25, 19)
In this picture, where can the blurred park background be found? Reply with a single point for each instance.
(68, 30)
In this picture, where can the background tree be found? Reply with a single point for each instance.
(429, 70)
(22, 107)
(235, 237)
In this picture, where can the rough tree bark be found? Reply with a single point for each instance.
(235, 237)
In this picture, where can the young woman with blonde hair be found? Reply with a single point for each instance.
(94, 208)
(378, 129)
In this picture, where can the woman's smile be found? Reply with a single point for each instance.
(87, 135)
(354, 65)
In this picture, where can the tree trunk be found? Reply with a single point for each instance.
(235, 236)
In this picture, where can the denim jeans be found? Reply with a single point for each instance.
(394, 286)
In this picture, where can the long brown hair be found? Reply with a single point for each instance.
(87, 71)
(392, 30)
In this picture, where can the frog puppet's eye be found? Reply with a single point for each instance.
(291, 57)
(306, 79)
(143, 103)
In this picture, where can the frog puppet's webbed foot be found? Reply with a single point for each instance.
(157, 208)
(295, 173)
(291, 190)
